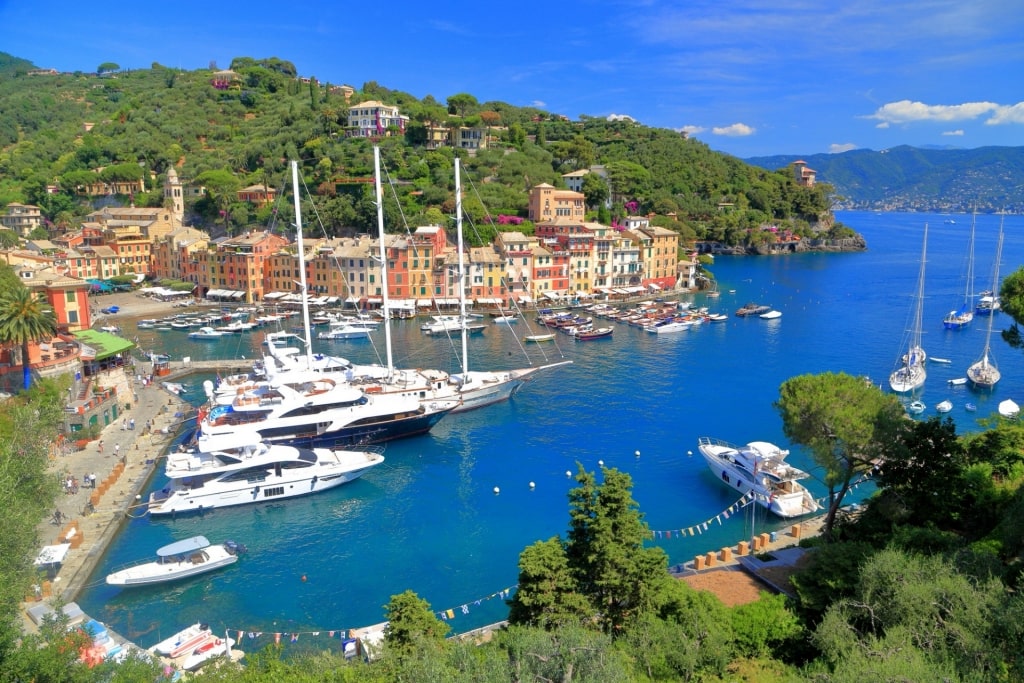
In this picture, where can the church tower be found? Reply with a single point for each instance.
(174, 198)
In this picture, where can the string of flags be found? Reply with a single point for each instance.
(447, 614)
(698, 529)
(344, 634)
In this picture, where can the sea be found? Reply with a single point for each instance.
(448, 513)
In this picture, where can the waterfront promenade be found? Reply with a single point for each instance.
(121, 465)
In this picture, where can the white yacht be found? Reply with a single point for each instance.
(239, 468)
(178, 560)
(759, 470)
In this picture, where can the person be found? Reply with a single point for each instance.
(117, 448)
(101, 446)
(124, 425)
(131, 424)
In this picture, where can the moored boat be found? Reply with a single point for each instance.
(759, 469)
(591, 335)
(203, 653)
(537, 338)
(770, 315)
(752, 309)
(916, 407)
(1009, 408)
(944, 407)
(910, 372)
(178, 560)
(183, 641)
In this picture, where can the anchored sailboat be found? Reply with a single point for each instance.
(984, 373)
(910, 373)
(963, 316)
(480, 388)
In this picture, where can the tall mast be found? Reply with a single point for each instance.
(302, 267)
(383, 258)
(462, 271)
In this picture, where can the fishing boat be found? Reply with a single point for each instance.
(984, 373)
(910, 372)
(1009, 408)
(944, 407)
(961, 317)
(239, 468)
(183, 641)
(759, 469)
(178, 560)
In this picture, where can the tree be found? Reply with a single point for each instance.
(107, 67)
(606, 550)
(547, 595)
(844, 421)
(8, 238)
(595, 189)
(222, 186)
(461, 103)
(1011, 301)
(25, 317)
(411, 624)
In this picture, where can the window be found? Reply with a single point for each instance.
(69, 297)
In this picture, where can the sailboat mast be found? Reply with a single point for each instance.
(462, 273)
(302, 266)
(995, 289)
(383, 258)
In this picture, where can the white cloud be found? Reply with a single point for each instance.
(736, 130)
(836, 148)
(883, 124)
(538, 104)
(692, 130)
(906, 111)
(621, 117)
(958, 131)
(1013, 113)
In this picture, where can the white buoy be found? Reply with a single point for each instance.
(497, 490)
(138, 497)
(637, 454)
(532, 485)
(568, 473)
(689, 452)
(600, 463)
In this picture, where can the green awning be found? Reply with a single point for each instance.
(104, 343)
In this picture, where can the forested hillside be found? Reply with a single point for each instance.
(68, 130)
(913, 179)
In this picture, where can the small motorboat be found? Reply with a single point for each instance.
(958, 381)
(537, 338)
(211, 649)
(944, 406)
(916, 407)
(183, 641)
(1009, 409)
(944, 361)
(590, 335)
(970, 407)
(206, 332)
(770, 315)
(179, 560)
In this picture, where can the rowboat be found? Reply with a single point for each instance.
(539, 337)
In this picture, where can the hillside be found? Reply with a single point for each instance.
(227, 130)
(914, 179)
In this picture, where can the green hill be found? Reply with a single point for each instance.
(915, 179)
(67, 131)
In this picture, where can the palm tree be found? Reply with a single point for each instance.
(25, 317)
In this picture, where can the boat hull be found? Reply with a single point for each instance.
(156, 572)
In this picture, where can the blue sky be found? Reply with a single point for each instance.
(748, 78)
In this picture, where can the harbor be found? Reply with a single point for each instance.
(429, 519)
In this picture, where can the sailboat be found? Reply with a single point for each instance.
(479, 388)
(303, 403)
(984, 373)
(963, 316)
(910, 372)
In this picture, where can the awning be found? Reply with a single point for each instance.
(488, 301)
(654, 287)
(525, 299)
(105, 344)
(52, 554)
(352, 300)
(446, 302)
(374, 300)
(423, 303)
(237, 295)
(274, 295)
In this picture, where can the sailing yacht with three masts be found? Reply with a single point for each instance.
(984, 373)
(910, 373)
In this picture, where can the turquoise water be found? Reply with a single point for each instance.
(429, 519)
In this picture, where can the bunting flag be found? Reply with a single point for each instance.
(700, 528)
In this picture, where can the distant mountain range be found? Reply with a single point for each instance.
(915, 179)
